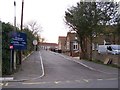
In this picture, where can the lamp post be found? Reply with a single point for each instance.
(14, 15)
(13, 53)
(20, 52)
(22, 15)
(14, 58)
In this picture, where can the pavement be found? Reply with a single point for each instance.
(93, 66)
(33, 68)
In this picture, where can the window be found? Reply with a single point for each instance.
(93, 46)
(68, 45)
(75, 46)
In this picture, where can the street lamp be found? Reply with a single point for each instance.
(22, 15)
(14, 52)
(14, 15)
(20, 52)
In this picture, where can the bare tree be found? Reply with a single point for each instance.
(34, 27)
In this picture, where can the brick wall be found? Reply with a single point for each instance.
(102, 57)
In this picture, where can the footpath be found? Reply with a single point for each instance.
(93, 66)
(31, 68)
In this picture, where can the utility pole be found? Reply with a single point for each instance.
(22, 15)
(13, 52)
(14, 59)
(20, 52)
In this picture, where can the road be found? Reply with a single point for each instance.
(61, 72)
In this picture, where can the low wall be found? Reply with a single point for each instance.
(102, 57)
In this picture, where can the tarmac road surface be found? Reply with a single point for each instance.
(61, 71)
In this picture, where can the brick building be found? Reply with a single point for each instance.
(69, 44)
(61, 43)
(72, 45)
(48, 46)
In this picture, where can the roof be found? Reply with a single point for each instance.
(62, 36)
(48, 44)
(71, 36)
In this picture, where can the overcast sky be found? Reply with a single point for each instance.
(48, 13)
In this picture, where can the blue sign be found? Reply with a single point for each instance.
(18, 40)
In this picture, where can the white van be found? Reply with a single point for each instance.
(103, 49)
(115, 49)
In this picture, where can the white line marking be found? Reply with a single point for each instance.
(1, 84)
(56, 82)
(6, 84)
(85, 80)
(43, 70)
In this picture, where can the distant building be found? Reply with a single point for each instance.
(61, 43)
(69, 44)
(72, 44)
(48, 46)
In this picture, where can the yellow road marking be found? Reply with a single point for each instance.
(57, 82)
(36, 83)
(32, 83)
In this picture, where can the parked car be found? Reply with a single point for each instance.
(113, 49)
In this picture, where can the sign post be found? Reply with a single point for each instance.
(35, 44)
(14, 51)
(18, 41)
(11, 58)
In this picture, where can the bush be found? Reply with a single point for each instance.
(6, 29)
